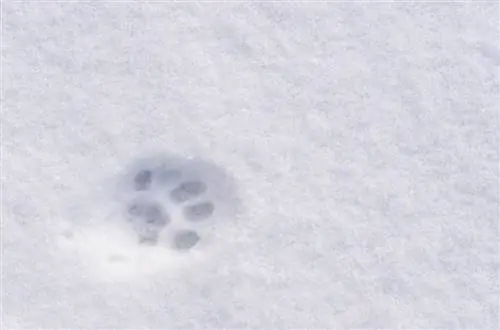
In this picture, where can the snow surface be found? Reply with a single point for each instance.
(361, 140)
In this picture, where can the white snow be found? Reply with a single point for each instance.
(361, 138)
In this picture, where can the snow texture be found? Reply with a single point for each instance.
(250, 165)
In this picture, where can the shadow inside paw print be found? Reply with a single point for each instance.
(187, 190)
(166, 177)
(143, 180)
(199, 212)
(186, 239)
(148, 220)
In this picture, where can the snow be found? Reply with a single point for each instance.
(352, 149)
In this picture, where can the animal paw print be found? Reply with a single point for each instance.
(174, 202)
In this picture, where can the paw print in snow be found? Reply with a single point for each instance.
(174, 202)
